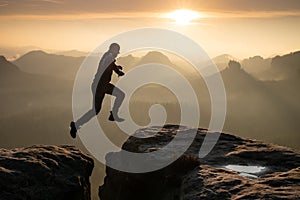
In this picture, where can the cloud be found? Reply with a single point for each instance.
(3, 3)
(52, 7)
(84, 16)
(52, 1)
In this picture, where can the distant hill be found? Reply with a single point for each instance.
(13, 53)
(7, 67)
(66, 67)
(131, 61)
(253, 104)
(222, 60)
(155, 57)
(59, 66)
(275, 68)
(73, 53)
(128, 61)
(287, 66)
(34, 108)
(20, 91)
(258, 67)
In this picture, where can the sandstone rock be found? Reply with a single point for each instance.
(45, 172)
(192, 178)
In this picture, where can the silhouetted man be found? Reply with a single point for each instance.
(101, 86)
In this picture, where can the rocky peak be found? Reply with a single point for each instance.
(236, 168)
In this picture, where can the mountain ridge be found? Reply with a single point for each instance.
(40, 62)
(6, 66)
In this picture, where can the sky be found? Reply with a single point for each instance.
(242, 28)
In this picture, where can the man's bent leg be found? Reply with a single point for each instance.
(120, 95)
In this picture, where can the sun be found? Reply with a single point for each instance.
(183, 16)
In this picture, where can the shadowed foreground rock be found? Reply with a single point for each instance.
(45, 172)
(191, 178)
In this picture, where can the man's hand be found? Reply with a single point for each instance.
(121, 73)
(120, 67)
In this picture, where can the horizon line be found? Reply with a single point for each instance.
(130, 15)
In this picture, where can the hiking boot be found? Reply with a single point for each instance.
(115, 117)
(73, 130)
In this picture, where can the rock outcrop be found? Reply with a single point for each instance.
(274, 170)
(45, 172)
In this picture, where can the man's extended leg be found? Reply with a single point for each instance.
(97, 104)
(99, 96)
(120, 95)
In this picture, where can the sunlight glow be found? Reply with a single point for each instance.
(183, 16)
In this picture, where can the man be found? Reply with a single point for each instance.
(101, 86)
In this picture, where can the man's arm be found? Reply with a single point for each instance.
(118, 69)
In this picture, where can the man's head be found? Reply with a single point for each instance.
(114, 48)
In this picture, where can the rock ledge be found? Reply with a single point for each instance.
(191, 178)
(45, 172)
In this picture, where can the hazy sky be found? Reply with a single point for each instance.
(239, 27)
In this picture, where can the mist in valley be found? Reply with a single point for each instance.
(36, 98)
